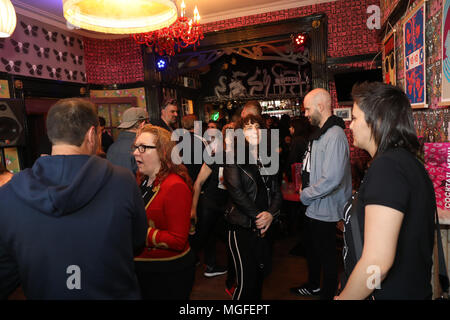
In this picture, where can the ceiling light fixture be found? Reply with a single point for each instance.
(181, 34)
(8, 18)
(120, 16)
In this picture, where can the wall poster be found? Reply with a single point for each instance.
(414, 66)
(4, 89)
(445, 88)
(12, 159)
(389, 60)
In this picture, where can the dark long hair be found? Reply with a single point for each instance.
(388, 113)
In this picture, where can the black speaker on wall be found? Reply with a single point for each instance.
(12, 126)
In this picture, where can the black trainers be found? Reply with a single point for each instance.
(214, 271)
(305, 290)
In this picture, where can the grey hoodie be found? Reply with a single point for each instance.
(330, 177)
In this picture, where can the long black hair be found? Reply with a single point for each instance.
(388, 113)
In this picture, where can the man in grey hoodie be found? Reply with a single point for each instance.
(326, 186)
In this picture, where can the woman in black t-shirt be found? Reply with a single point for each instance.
(395, 203)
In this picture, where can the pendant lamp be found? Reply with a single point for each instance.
(8, 18)
(120, 16)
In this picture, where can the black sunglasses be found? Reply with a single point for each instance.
(142, 148)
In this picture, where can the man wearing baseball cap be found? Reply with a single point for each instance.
(119, 153)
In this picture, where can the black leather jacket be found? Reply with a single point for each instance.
(242, 187)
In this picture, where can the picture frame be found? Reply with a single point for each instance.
(445, 65)
(344, 113)
(389, 61)
(414, 64)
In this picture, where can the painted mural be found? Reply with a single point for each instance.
(43, 51)
(237, 77)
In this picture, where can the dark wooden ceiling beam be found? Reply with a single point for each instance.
(253, 34)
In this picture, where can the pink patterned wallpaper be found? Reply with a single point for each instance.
(347, 30)
(113, 61)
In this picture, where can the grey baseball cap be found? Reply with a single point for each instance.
(131, 116)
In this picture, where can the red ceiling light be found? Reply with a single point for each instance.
(299, 41)
(182, 33)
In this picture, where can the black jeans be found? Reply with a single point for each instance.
(252, 257)
(321, 255)
(210, 224)
(170, 285)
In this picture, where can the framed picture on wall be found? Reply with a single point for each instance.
(415, 57)
(344, 113)
(445, 88)
(389, 60)
(12, 159)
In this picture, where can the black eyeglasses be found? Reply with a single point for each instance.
(142, 148)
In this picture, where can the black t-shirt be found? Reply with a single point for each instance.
(213, 188)
(107, 140)
(193, 167)
(396, 179)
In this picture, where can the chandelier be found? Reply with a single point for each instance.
(8, 18)
(120, 16)
(182, 33)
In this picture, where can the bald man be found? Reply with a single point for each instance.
(326, 186)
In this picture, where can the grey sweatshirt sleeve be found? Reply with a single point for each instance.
(336, 157)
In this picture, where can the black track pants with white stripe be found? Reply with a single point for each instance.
(249, 262)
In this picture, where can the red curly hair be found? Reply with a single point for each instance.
(164, 146)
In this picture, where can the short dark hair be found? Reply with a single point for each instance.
(388, 113)
(68, 120)
(169, 101)
(253, 105)
(187, 122)
(302, 127)
(102, 121)
(251, 118)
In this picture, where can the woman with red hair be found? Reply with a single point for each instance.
(166, 267)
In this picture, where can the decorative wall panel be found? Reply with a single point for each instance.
(113, 61)
(38, 50)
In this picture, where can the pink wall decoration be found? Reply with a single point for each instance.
(113, 61)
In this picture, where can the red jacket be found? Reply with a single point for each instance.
(168, 215)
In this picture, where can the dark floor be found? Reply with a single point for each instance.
(288, 271)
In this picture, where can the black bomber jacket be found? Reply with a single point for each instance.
(240, 181)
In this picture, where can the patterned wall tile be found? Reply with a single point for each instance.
(38, 50)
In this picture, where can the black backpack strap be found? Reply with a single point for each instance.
(354, 224)
(443, 276)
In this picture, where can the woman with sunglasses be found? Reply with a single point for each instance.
(166, 267)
